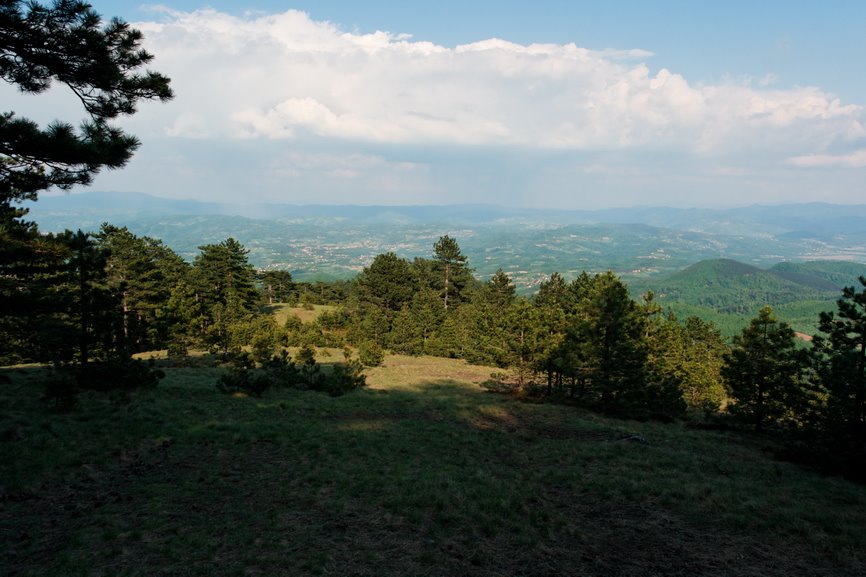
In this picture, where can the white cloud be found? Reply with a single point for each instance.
(284, 76)
(856, 159)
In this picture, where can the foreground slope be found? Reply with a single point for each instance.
(422, 473)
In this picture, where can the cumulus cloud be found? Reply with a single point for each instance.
(285, 76)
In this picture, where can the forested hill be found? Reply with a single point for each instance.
(729, 292)
(732, 287)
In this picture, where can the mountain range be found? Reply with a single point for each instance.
(724, 263)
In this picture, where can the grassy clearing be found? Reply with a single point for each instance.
(422, 473)
(284, 311)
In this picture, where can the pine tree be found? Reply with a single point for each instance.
(417, 324)
(388, 283)
(609, 337)
(553, 303)
(67, 43)
(277, 286)
(453, 272)
(31, 265)
(90, 308)
(522, 334)
(382, 290)
(693, 352)
(143, 272)
(763, 370)
(487, 322)
(499, 292)
(841, 353)
(223, 282)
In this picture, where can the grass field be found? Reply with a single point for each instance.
(421, 473)
(306, 315)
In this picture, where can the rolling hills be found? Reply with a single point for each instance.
(730, 292)
(718, 264)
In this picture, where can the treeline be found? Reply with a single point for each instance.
(74, 298)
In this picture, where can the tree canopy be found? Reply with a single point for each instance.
(68, 43)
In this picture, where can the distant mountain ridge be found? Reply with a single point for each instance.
(817, 219)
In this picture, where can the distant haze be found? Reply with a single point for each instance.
(330, 241)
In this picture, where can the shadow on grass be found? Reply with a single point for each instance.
(436, 478)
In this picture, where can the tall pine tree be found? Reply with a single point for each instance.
(763, 371)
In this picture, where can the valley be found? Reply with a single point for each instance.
(795, 258)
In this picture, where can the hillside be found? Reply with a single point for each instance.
(422, 473)
(730, 292)
(821, 275)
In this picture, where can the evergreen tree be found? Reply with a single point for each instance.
(382, 290)
(696, 352)
(417, 324)
(143, 272)
(277, 286)
(86, 268)
(841, 353)
(763, 370)
(553, 303)
(388, 283)
(64, 43)
(522, 334)
(608, 336)
(374, 327)
(67, 43)
(223, 282)
(486, 321)
(499, 292)
(31, 266)
(453, 274)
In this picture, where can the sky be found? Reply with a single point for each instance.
(552, 103)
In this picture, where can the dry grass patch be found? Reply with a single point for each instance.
(414, 373)
(307, 315)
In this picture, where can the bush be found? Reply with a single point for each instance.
(61, 389)
(309, 369)
(345, 377)
(177, 349)
(371, 354)
(244, 377)
(117, 374)
(280, 371)
(244, 380)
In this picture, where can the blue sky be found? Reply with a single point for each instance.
(550, 103)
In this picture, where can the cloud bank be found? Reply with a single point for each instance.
(280, 107)
(285, 76)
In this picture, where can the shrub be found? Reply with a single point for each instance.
(61, 389)
(309, 375)
(177, 349)
(281, 370)
(118, 374)
(371, 354)
(124, 374)
(345, 377)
